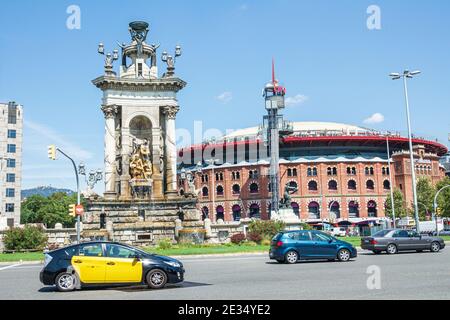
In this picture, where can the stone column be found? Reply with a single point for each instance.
(110, 150)
(170, 166)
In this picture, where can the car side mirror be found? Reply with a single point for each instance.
(136, 257)
(330, 241)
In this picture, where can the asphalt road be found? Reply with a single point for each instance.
(403, 276)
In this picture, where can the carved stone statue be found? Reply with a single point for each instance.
(285, 203)
(193, 192)
(140, 164)
(138, 32)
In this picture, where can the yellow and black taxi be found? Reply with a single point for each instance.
(109, 264)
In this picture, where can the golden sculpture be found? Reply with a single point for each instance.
(140, 164)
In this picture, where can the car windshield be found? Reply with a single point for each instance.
(381, 233)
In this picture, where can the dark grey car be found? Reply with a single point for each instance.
(395, 240)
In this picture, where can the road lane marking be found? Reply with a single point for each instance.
(9, 267)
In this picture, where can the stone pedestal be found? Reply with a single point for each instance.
(286, 215)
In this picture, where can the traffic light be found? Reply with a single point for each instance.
(438, 211)
(72, 210)
(52, 152)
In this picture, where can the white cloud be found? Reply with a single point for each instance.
(225, 97)
(295, 100)
(243, 7)
(375, 118)
(54, 137)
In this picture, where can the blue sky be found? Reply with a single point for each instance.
(334, 67)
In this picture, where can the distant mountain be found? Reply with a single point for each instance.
(43, 191)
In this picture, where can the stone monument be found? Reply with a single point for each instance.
(285, 212)
(140, 110)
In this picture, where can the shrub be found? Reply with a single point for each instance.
(28, 238)
(164, 244)
(255, 237)
(238, 238)
(266, 242)
(266, 228)
(305, 226)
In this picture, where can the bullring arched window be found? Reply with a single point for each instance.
(219, 190)
(370, 185)
(314, 210)
(353, 209)
(220, 213)
(254, 188)
(351, 185)
(293, 184)
(236, 189)
(205, 213)
(372, 209)
(311, 172)
(386, 185)
(205, 191)
(332, 185)
(332, 171)
(312, 185)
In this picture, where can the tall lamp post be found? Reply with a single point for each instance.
(408, 75)
(212, 162)
(91, 178)
(435, 206)
(52, 155)
(390, 182)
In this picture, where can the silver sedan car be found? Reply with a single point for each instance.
(395, 240)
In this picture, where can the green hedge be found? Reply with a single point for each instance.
(28, 238)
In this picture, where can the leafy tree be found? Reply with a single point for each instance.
(399, 205)
(425, 196)
(49, 210)
(444, 197)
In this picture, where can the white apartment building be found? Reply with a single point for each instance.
(11, 133)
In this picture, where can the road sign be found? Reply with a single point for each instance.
(79, 210)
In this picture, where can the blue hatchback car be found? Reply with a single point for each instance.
(292, 246)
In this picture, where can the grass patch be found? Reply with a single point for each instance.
(182, 250)
(24, 256)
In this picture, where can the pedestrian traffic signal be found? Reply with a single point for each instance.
(52, 152)
(72, 210)
(438, 211)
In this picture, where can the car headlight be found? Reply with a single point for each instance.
(173, 264)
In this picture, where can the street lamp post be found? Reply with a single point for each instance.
(390, 182)
(91, 178)
(212, 162)
(78, 191)
(408, 75)
(435, 206)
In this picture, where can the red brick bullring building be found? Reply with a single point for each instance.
(341, 171)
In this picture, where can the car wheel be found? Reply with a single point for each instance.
(291, 257)
(391, 249)
(376, 251)
(156, 279)
(65, 282)
(344, 255)
(435, 247)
